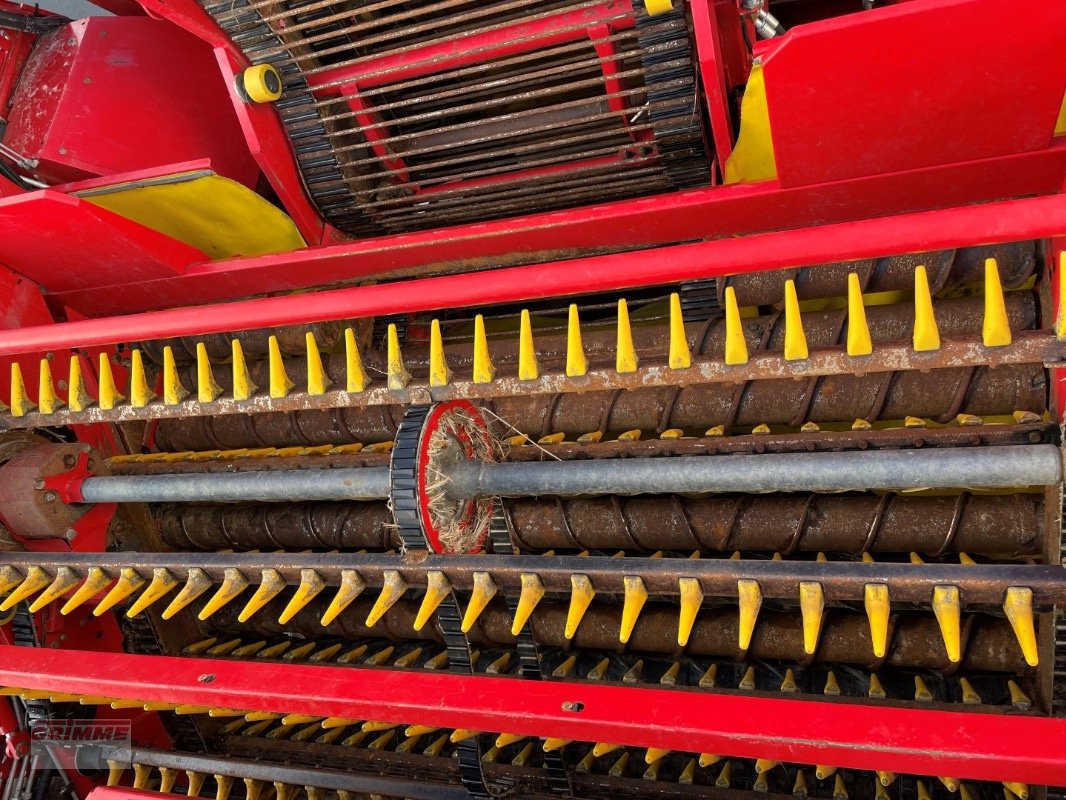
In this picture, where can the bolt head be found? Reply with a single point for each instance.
(50, 497)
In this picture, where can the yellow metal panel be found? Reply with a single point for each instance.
(221, 217)
(753, 157)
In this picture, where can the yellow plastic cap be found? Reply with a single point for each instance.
(262, 83)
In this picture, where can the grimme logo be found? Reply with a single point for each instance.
(77, 742)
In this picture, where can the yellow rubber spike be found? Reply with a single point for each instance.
(162, 582)
(462, 734)
(581, 594)
(799, 787)
(173, 390)
(926, 334)
(1019, 789)
(725, 777)
(356, 377)
(47, 399)
(626, 356)
(636, 595)
(528, 367)
(224, 785)
(736, 347)
(965, 793)
(129, 581)
(969, 695)
(253, 789)
(207, 389)
(709, 759)
(878, 609)
(653, 754)
(280, 382)
(65, 580)
(439, 374)
(437, 588)
(840, 790)
(318, 380)
(109, 393)
(576, 363)
(507, 739)
(243, 388)
(946, 606)
(1018, 606)
(795, 338)
(996, 330)
(669, 678)
(823, 771)
(141, 393)
(1018, 698)
(749, 600)
(270, 586)
(115, 769)
(77, 398)
(167, 777)
(688, 774)
(233, 583)
(531, 594)
(484, 371)
(1060, 320)
(392, 590)
(195, 781)
(484, 590)
(35, 580)
(398, 376)
(95, 582)
(351, 587)
(765, 765)
(921, 691)
(812, 607)
(311, 584)
(603, 748)
(788, 684)
(886, 778)
(951, 784)
(747, 681)
(859, 341)
(680, 355)
(21, 404)
(196, 584)
(691, 600)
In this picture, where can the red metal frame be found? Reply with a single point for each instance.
(1011, 220)
(856, 736)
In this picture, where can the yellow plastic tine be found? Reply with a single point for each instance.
(528, 367)
(47, 399)
(969, 695)
(77, 398)
(878, 609)
(691, 600)
(195, 781)
(280, 382)
(207, 389)
(318, 380)
(162, 582)
(484, 590)
(129, 581)
(437, 588)
(196, 584)
(109, 393)
(765, 765)
(65, 580)
(680, 355)
(233, 583)
(736, 347)
(636, 595)
(553, 743)
(507, 739)
(1060, 320)
(173, 390)
(576, 363)
(439, 373)
(812, 608)
(795, 338)
(243, 388)
(356, 377)
(21, 404)
(725, 777)
(951, 784)
(141, 393)
(653, 754)
(926, 334)
(270, 586)
(626, 356)
(484, 371)
(224, 785)
(1018, 606)
(859, 341)
(391, 591)
(398, 376)
(531, 594)
(311, 584)
(996, 330)
(946, 606)
(749, 597)
(35, 580)
(95, 582)
(581, 594)
(253, 789)
(351, 587)
(1018, 698)
(1021, 790)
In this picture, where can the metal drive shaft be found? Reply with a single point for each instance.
(1000, 467)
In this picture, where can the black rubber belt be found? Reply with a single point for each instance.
(449, 618)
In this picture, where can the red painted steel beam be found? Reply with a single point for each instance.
(850, 735)
(1012, 220)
